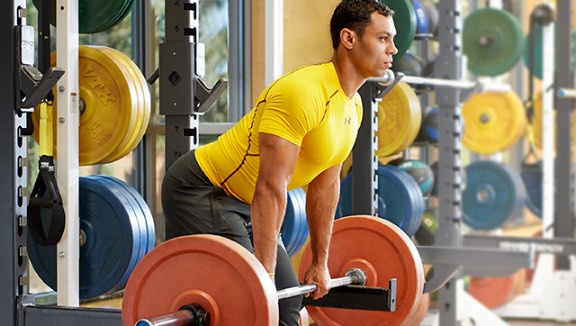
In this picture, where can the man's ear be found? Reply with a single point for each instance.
(347, 38)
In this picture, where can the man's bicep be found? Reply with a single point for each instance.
(278, 157)
(328, 177)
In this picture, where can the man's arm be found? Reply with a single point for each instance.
(321, 199)
(277, 162)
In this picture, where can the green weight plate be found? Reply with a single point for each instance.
(492, 41)
(536, 52)
(420, 172)
(405, 22)
(94, 15)
(426, 233)
(128, 4)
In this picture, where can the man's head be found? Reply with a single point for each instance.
(355, 15)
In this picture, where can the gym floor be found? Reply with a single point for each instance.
(536, 323)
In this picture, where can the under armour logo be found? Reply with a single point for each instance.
(347, 121)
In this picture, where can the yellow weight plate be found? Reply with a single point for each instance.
(108, 101)
(135, 93)
(144, 103)
(399, 120)
(142, 84)
(109, 105)
(493, 122)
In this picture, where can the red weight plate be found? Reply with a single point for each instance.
(383, 251)
(493, 292)
(214, 272)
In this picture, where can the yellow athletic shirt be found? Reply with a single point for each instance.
(306, 107)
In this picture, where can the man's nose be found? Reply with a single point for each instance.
(392, 49)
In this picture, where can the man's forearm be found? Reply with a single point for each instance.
(267, 213)
(320, 209)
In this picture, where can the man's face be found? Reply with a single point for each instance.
(372, 54)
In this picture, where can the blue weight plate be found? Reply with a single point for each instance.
(140, 224)
(419, 171)
(345, 201)
(151, 228)
(303, 234)
(299, 220)
(493, 194)
(399, 198)
(432, 14)
(110, 246)
(292, 221)
(429, 128)
(288, 224)
(404, 200)
(532, 177)
(303, 231)
(421, 17)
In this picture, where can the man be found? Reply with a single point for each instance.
(299, 132)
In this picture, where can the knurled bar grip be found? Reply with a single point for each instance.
(353, 276)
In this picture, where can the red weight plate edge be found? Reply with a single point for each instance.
(243, 261)
(411, 257)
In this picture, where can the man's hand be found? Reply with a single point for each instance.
(319, 275)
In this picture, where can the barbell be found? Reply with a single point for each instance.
(480, 86)
(226, 285)
(194, 315)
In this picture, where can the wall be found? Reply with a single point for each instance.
(306, 36)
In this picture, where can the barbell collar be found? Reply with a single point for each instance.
(192, 314)
(180, 317)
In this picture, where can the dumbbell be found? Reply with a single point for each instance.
(209, 277)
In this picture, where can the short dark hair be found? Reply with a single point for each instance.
(355, 15)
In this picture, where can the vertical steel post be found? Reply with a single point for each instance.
(448, 65)
(178, 69)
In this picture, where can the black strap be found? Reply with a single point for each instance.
(45, 194)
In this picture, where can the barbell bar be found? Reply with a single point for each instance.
(565, 92)
(233, 288)
(189, 314)
(450, 83)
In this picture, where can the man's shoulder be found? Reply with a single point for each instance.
(309, 79)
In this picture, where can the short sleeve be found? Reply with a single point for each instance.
(290, 112)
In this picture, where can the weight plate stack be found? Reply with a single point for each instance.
(114, 236)
(399, 120)
(399, 198)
